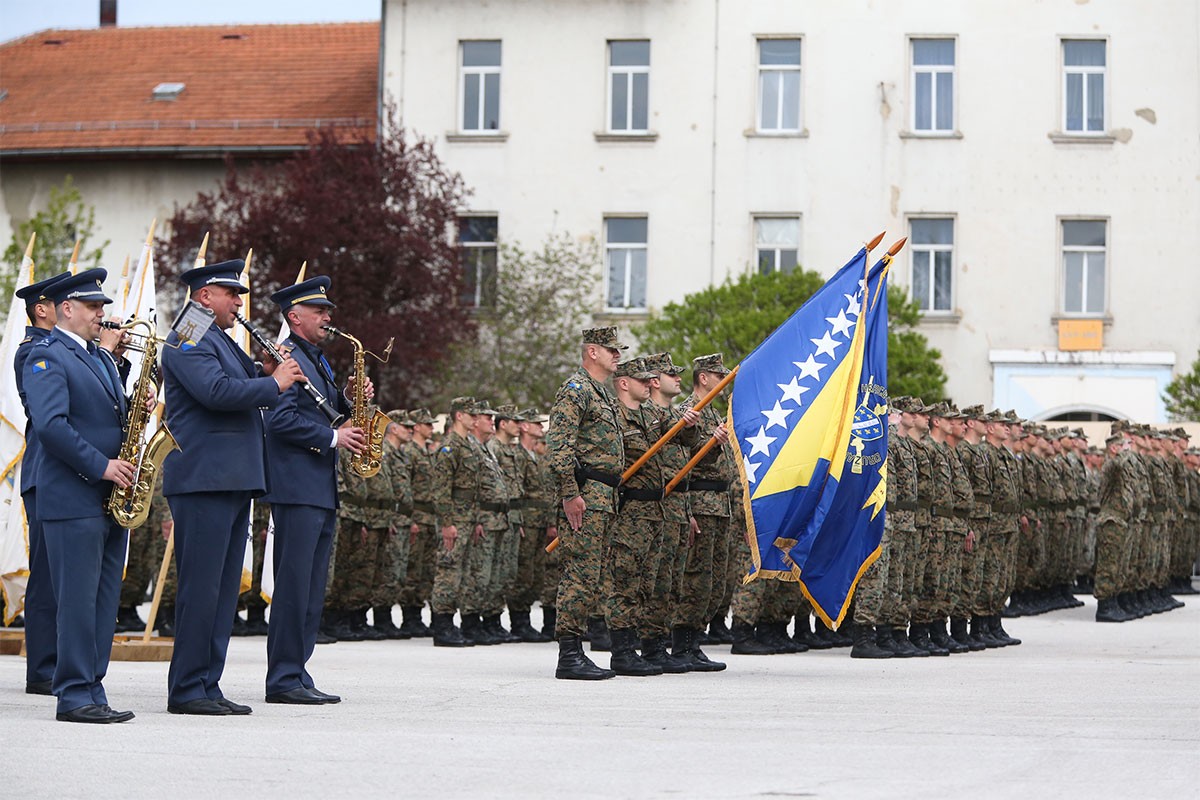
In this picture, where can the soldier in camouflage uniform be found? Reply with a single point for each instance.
(915, 419)
(505, 449)
(999, 547)
(487, 569)
(424, 538)
(1118, 510)
(455, 493)
(396, 546)
(142, 566)
(586, 459)
(540, 523)
(977, 462)
(552, 568)
(704, 573)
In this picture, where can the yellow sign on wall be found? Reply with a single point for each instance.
(1080, 334)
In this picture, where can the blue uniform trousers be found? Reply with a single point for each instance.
(87, 557)
(210, 544)
(41, 627)
(303, 540)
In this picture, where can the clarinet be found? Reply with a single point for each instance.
(335, 417)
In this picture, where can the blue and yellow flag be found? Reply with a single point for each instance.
(809, 416)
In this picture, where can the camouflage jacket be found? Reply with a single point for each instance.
(978, 460)
(1163, 485)
(494, 491)
(395, 463)
(674, 455)
(716, 466)
(960, 485)
(902, 483)
(637, 434)
(456, 477)
(925, 486)
(369, 501)
(508, 456)
(584, 433)
(420, 476)
(541, 501)
(1006, 481)
(1118, 493)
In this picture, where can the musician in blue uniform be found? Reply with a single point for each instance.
(77, 409)
(214, 398)
(40, 608)
(302, 463)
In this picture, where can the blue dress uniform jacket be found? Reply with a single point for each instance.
(78, 417)
(33, 448)
(302, 464)
(213, 395)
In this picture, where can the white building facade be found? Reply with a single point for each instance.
(1042, 157)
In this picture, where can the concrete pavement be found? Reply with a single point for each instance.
(1081, 710)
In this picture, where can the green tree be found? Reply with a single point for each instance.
(736, 316)
(65, 219)
(527, 337)
(1183, 395)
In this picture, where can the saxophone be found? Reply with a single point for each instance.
(365, 415)
(130, 507)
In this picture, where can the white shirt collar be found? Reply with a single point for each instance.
(78, 339)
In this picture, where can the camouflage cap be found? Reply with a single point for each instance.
(399, 416)
(533, 415)
(911, 405)
(661, 362)
(1181, 433)
(974, 412)
(634, 368)
(944, 410)
(483, 407)
(1078, 433)
(1114, 438)
(895, 404)
(995, 415)
(605, 337)
(710, 363)
(1011, 417)
(507, 411)
(421, 416)
(464, 405)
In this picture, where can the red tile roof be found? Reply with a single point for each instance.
(246, 87)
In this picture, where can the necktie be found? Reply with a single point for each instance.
(103, 363)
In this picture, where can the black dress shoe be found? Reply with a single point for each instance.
(38, 687)
(202, 707)
(296, 697)
(90, 713)
(325, 697)
(237, 709)
(117, 716)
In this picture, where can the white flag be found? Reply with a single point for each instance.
(14, 540)
(268, 576)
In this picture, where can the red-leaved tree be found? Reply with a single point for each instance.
(372, 215)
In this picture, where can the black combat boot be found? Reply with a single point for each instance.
(718, 631)
(340, 626)
(654, 650)
(996, 627)
(917, 644)
(239, 626)
(941, 640)
(410, 616)
(804, 634)
(491, 624)
(745, 643)
(256, 621)
(960, 636)
(625, 659)
(1184, 585)
(700, 661)
(358, 622)
(865, 646)
(1015, 607)
(598, 635)
(844, 635)
(979, 633)
(824, 633)
(549, 620)
(445, 634)
(885, 639)
(384, 624)
(774, 635)
(474, 630)
(165, 621)
(524, 631)
(1125, 600)
(128, 620)
(573, 665)
(1069, 599)
(1109, 610)
(1169, 602)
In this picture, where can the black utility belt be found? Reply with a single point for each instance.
(382, 505)
(498, 508)
(903, 505)
(463, 495)
(583, 473)
(707, 486)
(421, 505)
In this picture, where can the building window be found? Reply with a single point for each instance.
(779, 85)
(629, 87)
(933, 85)
(477, 238)
(1084, 266)
(776, 243)
(625, 260)
(479, 86)
(932, 263)
(1083, 85)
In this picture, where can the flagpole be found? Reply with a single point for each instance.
(74, 256)
(689, 466)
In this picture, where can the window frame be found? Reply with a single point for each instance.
(629, 71)
(463, 72)
(1064, 248)
(914, 248)
(478, 247)
(628, 247)
(796, 217)
(934, 69)
(1085, 71)
(758, 86)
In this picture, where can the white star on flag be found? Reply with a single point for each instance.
(793, 390)
(826, 345)
(777, 416)
(750, 468)
(852, 305)
(810, 368)
(841, 323)
(761, 442)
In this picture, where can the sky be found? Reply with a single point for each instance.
(20, 17)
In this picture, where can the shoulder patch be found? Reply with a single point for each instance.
(40, 366)
(445, 449)
(574, 384)
(188, 345)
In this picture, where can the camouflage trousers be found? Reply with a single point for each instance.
(1183, 546)
(971, 574)
(579, 585)
(531, 563)
(357, 572)
(422, 563)
(1031, 554)
(141, 567)
(1078, 563)
(902, 566)
(736, 568)
(749, 599)
(551, 575)
(392, 570)
(445, 595)
(943, 570)
(1056, 534)
(870, 597)
(1112, 559)
(914, 573)
(505, 559)
(704, 572)
(992, 563)
(667, 571)
(630, 570)
(785, 599)
(480, 589)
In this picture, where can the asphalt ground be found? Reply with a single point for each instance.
(1080, 710)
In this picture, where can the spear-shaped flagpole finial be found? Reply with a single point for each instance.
(29, 247)
(125, 268)
(200, 261)
(28, 259)
(249, 258)
(871, 245)
(897, 247)
(150, 235)
(75, 255)
(300, 274)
